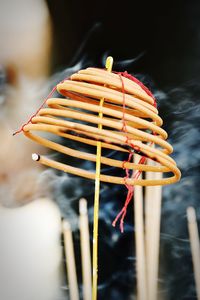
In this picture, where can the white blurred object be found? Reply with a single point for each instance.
(30, 252)
(25, 35)
(15, 151)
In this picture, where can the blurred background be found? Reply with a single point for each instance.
(159, 42)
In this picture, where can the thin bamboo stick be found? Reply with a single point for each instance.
(85, 250)
(139, 240)
(153, 197)
(109, 63)
(70, 261)
(195, 246)
(148, 220)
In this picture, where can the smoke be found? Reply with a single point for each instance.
(180, 108)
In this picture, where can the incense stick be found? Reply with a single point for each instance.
(152, 231)
(195, 246)
(85, 250)
(139, 240)
(70, 261)
(109, 63)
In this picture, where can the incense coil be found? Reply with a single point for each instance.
(130, 123)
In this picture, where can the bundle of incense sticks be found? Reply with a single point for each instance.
(85, 255)
(147, 236)
(147, 245)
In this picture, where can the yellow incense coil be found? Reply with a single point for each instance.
(130, 122)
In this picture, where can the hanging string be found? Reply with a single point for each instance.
(41, 106)
(143, 159)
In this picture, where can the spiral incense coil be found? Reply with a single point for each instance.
(130, 124)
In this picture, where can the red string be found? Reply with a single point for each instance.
(143, 159)
(41, 106)
(131, 77)
(130, 188)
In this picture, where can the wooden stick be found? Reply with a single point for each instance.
(109, 63)
(152, 230)
(139, 240)
(70, 261)
(148, 225)
(195, 246)
(85, 250)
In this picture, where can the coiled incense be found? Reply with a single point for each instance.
(106, 110)
(130, 124)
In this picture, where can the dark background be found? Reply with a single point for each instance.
(167, 33)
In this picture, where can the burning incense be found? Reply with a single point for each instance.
(85, 250)
(195, 246)
(131, 104)
(111, 110)
(139, 241)
(70, 261)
